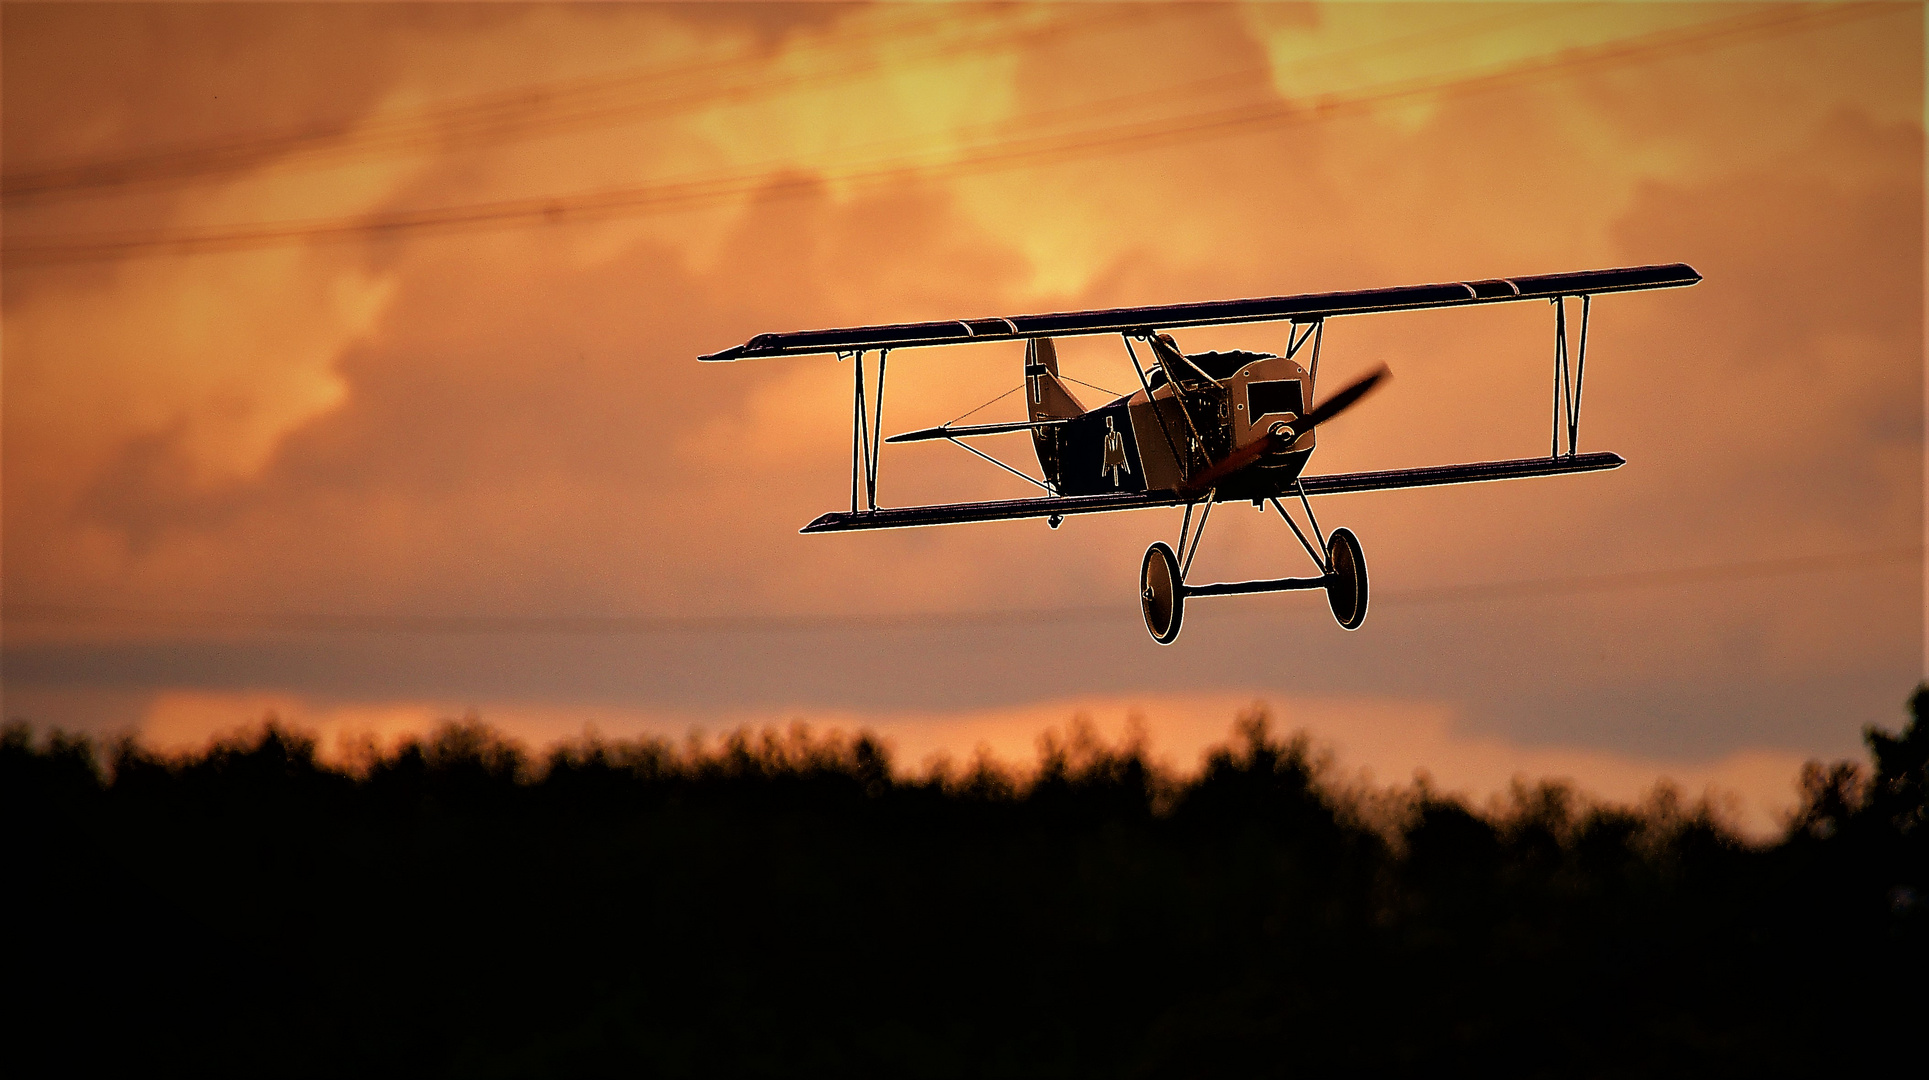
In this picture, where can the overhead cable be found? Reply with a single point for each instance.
(543, 109)
(769, 180)
(548, 108)
(227, 622)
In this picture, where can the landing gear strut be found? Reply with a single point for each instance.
(1163, 589)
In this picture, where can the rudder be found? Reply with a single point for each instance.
(1048, 398)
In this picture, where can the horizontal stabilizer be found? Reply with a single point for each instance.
(1001, 510)
(927, 434)
(1336, 484)
(1303, 308)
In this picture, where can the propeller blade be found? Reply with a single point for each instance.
(1340, 402)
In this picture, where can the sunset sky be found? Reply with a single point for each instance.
(349, 371)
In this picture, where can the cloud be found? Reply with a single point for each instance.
(508, 420)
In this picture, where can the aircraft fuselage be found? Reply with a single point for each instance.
(1156, 441)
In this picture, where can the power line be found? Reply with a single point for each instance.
(545, 109)
(540, 109)
(626, 625)
(1033, 150)
(1633, 579)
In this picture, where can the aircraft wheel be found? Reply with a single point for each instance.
(1161, 593)
(1346, 585)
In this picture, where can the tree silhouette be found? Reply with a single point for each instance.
(788, 902)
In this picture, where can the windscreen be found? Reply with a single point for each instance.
(1280, 396)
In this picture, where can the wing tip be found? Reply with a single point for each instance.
(1692, 275)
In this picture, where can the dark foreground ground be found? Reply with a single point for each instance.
(785, 906)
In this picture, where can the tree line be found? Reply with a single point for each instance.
(786, 902)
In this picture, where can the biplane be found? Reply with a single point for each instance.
(1202, 428)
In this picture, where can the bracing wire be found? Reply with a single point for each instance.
(986, 405)
(1091, 386)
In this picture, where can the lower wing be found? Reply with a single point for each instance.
(1339, 483)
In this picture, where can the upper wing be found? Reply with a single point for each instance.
(1303, 308)
(1338, 483)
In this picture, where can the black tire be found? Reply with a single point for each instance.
(1346, 585)
(1162, 594)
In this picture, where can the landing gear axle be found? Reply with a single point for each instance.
(1163, 590)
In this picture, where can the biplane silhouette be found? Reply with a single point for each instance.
(1202, 428)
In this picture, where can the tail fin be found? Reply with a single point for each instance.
(1047, 398)
(1046, 395)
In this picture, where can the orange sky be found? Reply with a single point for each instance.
(389, 312)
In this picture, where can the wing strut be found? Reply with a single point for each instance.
(867, 431)
(1567, 384)
(1295, 341)
(1184, 460)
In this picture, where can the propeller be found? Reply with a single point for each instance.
(1285, 433)
(1337, 404)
